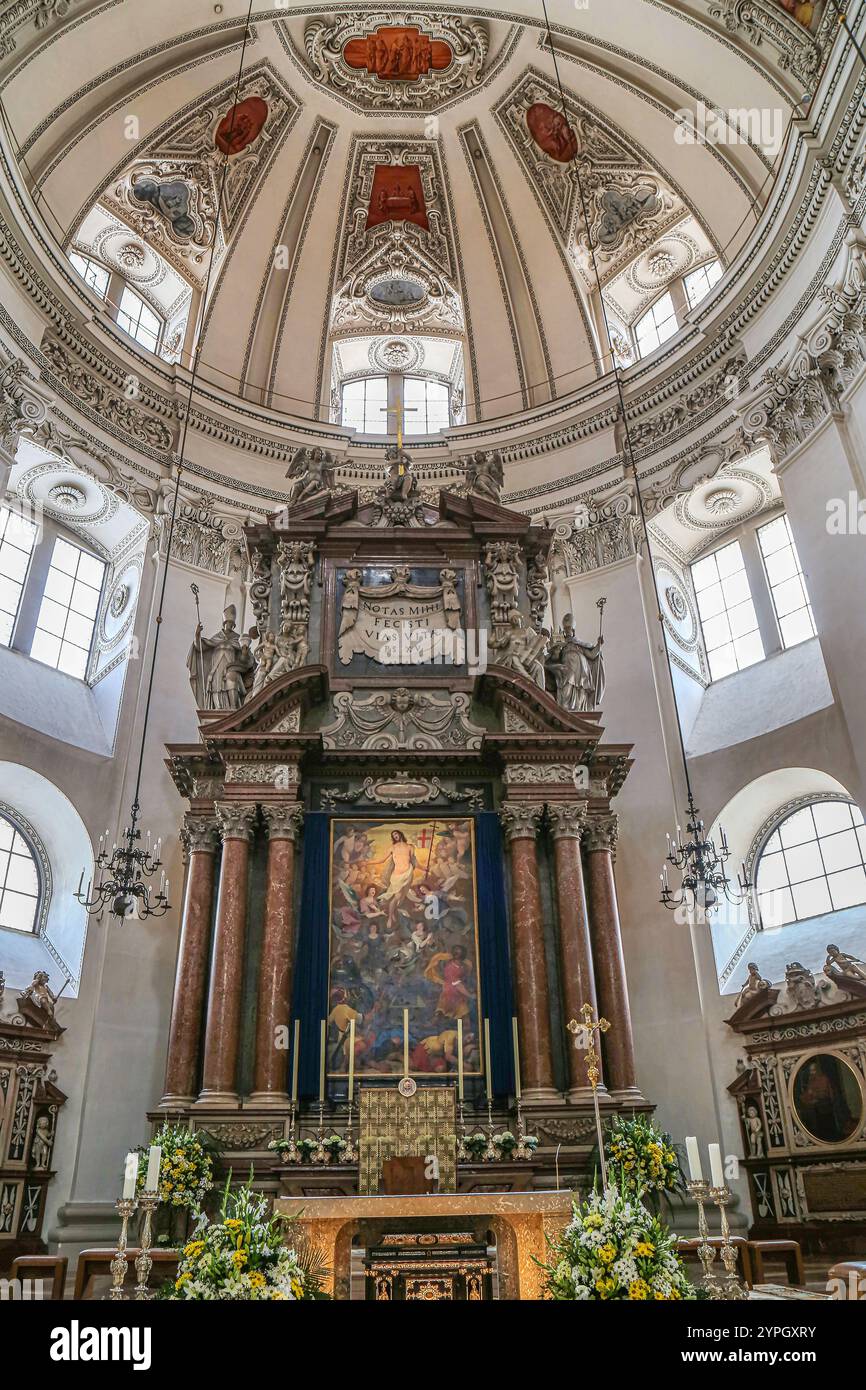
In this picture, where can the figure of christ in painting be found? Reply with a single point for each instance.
(403, 937)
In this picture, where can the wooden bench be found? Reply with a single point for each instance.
(787, 1250)
(41, 1268)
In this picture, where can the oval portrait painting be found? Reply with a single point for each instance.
(827, 1098)
(551, 132)
(241, 125)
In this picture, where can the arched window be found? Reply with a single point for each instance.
(655, 326)
(20, 879)
(813, 862)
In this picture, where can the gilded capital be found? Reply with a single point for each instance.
(200, 834)
(236, 819)
(601, 832)
(520, 820)
(283, 822)
(567, 819)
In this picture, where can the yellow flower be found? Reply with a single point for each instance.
(638, 1288)
(179, 1283)
(644, 1248)
(277, 1294)
(297, 1288)
(607, 1253)
(257, 1280)
(233, 1223)
(605, 1286)
(593, 1221)
(239, 1259)
(194, 1248)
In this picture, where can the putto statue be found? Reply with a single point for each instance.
(218, 665)
(398, 500)
(845, 970)
(576, 669)
(485, 474)
(40, 993)
(312, 471)
(755, 988)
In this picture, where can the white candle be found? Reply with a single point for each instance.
(717, 1172)
(405, 1042)
(130, 1175)
(693, 1154)
(351, 1057)
(460, 1059)
(295, 1062)
(322, 1064)
(487, 1058)
(516, 1059)
(154, 1158)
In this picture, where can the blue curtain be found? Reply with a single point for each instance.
(496, 996)
(310, 990)
(310, 994)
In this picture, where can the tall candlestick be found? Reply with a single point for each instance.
(154, 1158)
(487, 1058)
(322, 1064)
(130, 1176)
(405, 1042)
(516, 1059)
(351, 1058)
(460, 1059)
(295, 1055)
(717, 1172)
(693, 1154)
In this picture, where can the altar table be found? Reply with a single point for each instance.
(519, 1222)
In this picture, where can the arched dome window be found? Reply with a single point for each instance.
(21, 883)
(812, 862)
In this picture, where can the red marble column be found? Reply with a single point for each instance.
(275, 970)
(567, 822)
(222, 1034)
(618, 1044)
(521, 822)
(184, 1035)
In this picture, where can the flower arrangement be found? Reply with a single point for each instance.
(333, 1149)
(614, 1248)
(642, 1156)
(476, 1143)
(185, 1170)
(506, 1144)
(242, 1256)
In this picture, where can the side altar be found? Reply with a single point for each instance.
(400, 834)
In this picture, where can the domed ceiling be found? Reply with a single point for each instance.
(395, 173)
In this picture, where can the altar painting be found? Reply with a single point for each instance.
(403, 935)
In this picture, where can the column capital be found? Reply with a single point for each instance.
(567, 819)
(520, 820)
(282, 822)
(236, 819)
(601, 832)
(200, 834)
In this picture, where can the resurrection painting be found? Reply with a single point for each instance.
(402, 54)
(403, 936)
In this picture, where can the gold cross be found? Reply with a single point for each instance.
(399, 409)
(589, 1029)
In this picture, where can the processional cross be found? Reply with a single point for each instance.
(584, 1036)
(399, 408)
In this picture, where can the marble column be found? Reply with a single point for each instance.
(599, 839)
(222, 1033)
(275, 969)
(199, 836)
(567, 823)
(521, 821)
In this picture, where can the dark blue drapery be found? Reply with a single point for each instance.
(310, 994)
(496, 997)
